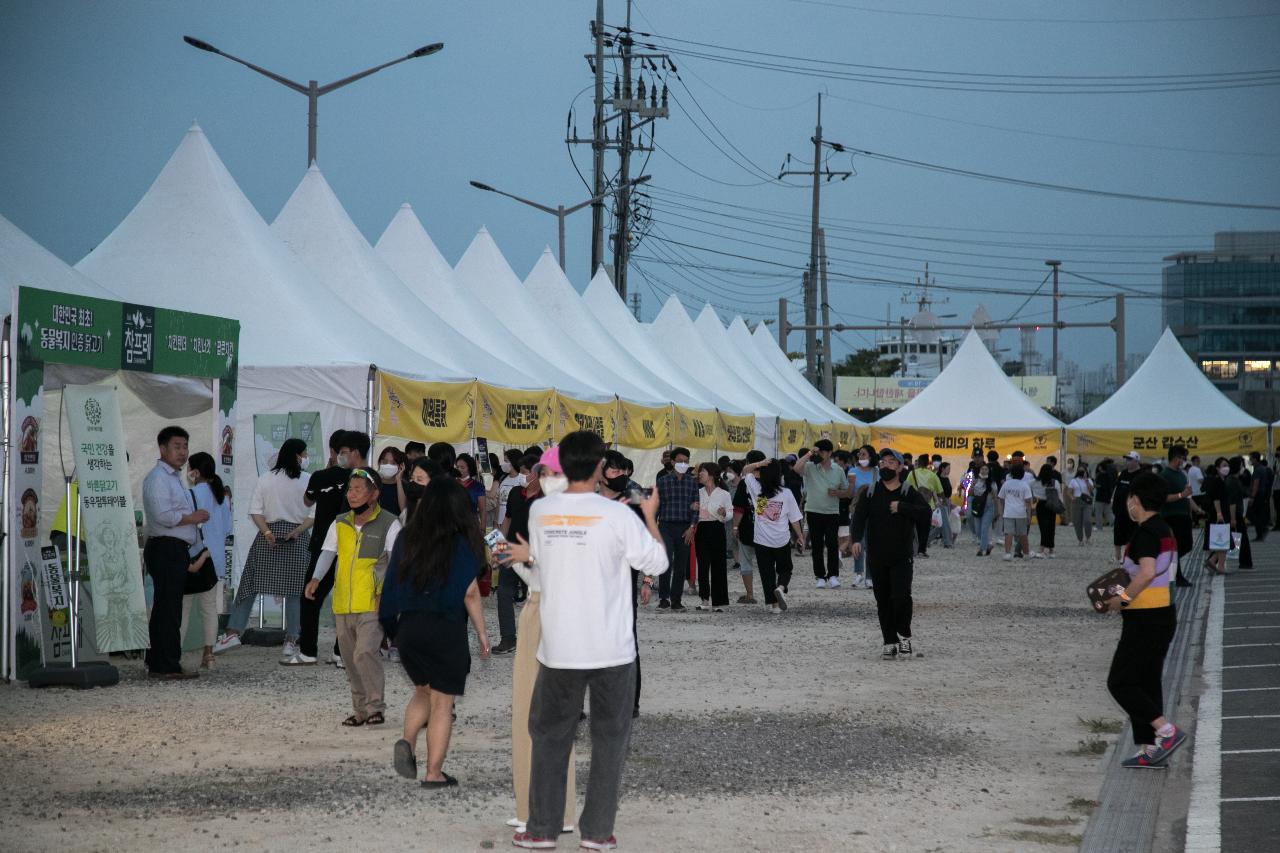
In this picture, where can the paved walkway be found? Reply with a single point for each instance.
(1235, 799)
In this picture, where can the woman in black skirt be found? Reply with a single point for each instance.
(429, 593)
(714, 508)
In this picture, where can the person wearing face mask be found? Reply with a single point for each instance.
(391, 464)
(1217, 508)
(1124, 526)
(509, 479)
(280, 555)
(515, 526)
(356, 550)
(889, 515)
(469, 477)
(862, 479)
(209, 494)
(615, 484)
(327, 493)
(1236, 494)
(678, 521)
(714, 508)
(421, 472)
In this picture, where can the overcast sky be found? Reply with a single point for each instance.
(95, 97)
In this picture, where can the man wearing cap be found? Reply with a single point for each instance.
(1122, 532)
(888, 515)
(825, 483)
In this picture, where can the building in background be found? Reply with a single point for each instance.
(1224, 307)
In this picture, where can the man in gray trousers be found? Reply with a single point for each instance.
(583, 548)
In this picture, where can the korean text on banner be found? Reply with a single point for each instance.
(573, 415)
(953, 443)
(425, 411)
(737, 432)
(817, 431)
(791, 436)
(644, 427)
(98, 445)
(844, 436)
(521, 418)
(694, 428)
(1156, 442)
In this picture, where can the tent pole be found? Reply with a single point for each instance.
(368, 400)
(73, 558)
(6, 599)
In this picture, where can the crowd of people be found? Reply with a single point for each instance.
(404, 552)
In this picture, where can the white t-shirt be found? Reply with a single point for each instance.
(278, 497)
(774, 515)
(1195, 479)
(584, 547)
(508, 483)
(1079, 486)
(717, 506)
(1014, 495)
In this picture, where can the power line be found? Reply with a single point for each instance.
(992, 20)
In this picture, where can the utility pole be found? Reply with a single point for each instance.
(1120, 367)
(598, 146)
(828, 381)
(1055, 265)
(812, 279)
(622, 242)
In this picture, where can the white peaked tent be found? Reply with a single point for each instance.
(194, 242)
(547, 285)
(673, 331)
(713, 334)
(558, 363)
(1168, 400)
(23, 261)
(602, 301)
(315, 226)
(768, 348)
(760, 352)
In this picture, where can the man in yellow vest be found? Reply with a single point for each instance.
(359, 542)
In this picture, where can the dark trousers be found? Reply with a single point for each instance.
(823, 539)
(637, 578)
(507, 582)
(774, 565)
(309, 612)
(167, 561)
(1047, 520)
(553, 722)
(923, 529)
(1246, 552)
(709, 543)
(1134, 680)
(1275, 504)
(671, 582)
(1261, 517)
(891, 585)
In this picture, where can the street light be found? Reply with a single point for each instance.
(559, 211)
(312, 90)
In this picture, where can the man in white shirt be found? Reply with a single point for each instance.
(1195, 478)
(1014, 510)
(582, 548)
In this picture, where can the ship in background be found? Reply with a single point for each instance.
(924, 349)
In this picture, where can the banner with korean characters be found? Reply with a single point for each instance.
(425, 411)
(98, 447)
(791, 436)
(55, 612)
(520, 418)
(572, 415)
(643, 427)
(960, 444)
(1155, 443)
(694, 428)
(735, 433)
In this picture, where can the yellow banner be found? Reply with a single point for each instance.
(961, 443)
(813, 432)
(694, 428)
(644, 427)
(573, 415)
(425, 411)
(513, 417)
(844, 436)
(1156, 442)
(737, 433)
(791, 436)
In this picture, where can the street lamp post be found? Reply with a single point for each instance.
(559, 211)
(313, 90)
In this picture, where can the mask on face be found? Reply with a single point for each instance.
(617, 484)
(303, 462)
(554, 484)
(506, 467)
(414, 491)
(888, 475)
(344, 461)
(729, 477)
(361, 509)
(682, 467)
(388, 470)
(864, 463)
(1224, 470)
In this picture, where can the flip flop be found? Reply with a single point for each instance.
(447, 782)
(353, 721)
(403, 761)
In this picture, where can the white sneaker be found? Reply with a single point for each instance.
(1049, 555)
(298, 659)
(774, 611)
(393, 656)
(290, 649)
(516, 823)
(1007, 558)
(337, 661)
(226, 642)
(821, 583)
(781, 598)
(1036, 555)
(833, 583)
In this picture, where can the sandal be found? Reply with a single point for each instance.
(447, 782)
(375, 719)
(353, 721)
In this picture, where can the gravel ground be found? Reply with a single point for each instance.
(756, 733)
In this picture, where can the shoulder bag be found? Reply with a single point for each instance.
(206, 578)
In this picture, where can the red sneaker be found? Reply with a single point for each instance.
(610, 843)
(528, 842)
